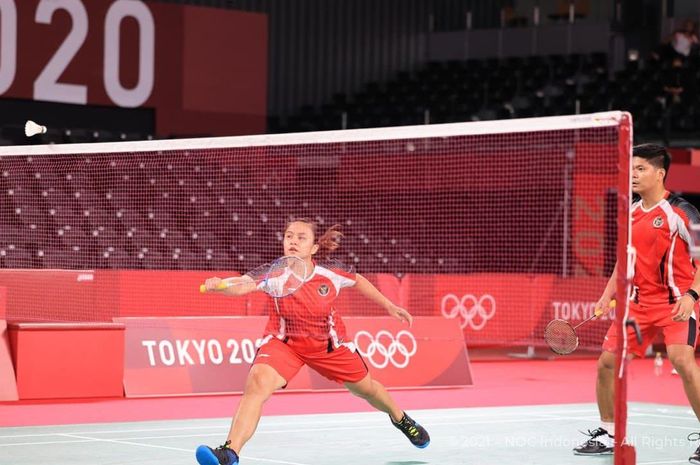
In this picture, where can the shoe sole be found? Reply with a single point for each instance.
(594, 453)
(422, 446)
(205, 457)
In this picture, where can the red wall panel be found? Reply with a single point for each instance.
(209, 66)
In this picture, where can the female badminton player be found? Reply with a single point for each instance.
(304, 329)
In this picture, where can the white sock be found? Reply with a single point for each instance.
(609, 427)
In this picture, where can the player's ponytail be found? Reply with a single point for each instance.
(329, 241)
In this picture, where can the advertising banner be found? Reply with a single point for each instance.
(209, 355)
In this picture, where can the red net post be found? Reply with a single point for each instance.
(624, 450)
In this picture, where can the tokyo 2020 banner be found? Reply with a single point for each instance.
(180, 356)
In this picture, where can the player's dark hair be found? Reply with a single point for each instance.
(656, 155)
(328, 242)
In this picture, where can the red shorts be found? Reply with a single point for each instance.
(340, 365)
(651, 320)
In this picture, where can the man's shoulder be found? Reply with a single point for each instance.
(678, 202)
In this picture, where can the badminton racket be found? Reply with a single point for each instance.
(561, 336)
(279, 278)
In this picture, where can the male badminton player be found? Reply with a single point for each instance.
(304, 329)
(664, 294)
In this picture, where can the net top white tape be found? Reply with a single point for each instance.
(550, 123)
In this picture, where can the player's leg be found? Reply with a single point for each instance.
(682, 357)
(681, 339)
(378, 397)
(601, 440)
(605, 387)
(347, 366)
(262, 381)
(274, 365)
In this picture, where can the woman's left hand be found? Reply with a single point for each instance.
(401, 314)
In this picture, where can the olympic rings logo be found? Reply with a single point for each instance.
(385, 348)
(474, 312)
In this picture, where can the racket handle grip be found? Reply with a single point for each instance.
(223, 285)
(599, 311)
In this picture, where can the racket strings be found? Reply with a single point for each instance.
(561, 337)
(284, 276)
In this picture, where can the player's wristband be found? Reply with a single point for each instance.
(693, 295)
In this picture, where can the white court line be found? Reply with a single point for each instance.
(42, 443)
(183, 428)
(296, 423)
(636, 414)
(307, 430)
(690, 417)
(659, 463)
(284, 462)
(284, 431)
(155, 446)
(687, 428)
(636, 423)
(543, 417)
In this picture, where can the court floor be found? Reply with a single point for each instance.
(541, 435)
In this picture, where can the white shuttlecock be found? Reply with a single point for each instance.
(32, 129)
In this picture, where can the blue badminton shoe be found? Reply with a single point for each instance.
(222, 455)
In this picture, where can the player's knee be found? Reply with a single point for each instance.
(606, 362)
(683, 363)
(259, 384)
(364, 390)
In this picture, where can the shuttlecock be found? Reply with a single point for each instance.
(32, 129)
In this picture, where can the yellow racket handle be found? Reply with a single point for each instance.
(223, 285)
(599, 311)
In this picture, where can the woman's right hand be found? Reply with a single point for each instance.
(212, 284)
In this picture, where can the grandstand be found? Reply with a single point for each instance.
(168, 210)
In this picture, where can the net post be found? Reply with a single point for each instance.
(624, 451)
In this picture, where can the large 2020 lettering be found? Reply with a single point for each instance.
(47, 85)
(589, 239)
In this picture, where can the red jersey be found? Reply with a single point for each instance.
(663, 270)
(309, 312)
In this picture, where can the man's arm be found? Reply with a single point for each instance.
(611, 287)
(695, 287)
(603, 305)
(685, 306)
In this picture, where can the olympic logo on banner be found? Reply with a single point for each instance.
(474, 312)
(385, 348)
